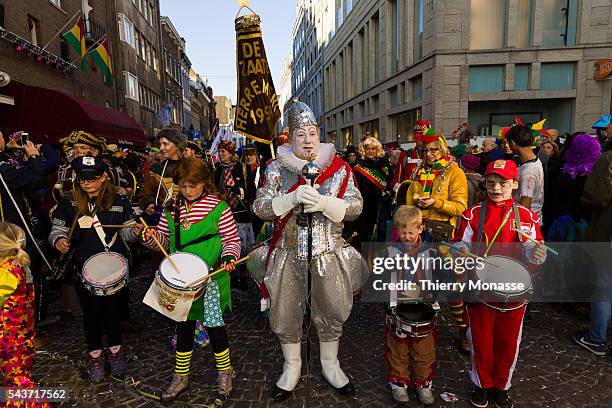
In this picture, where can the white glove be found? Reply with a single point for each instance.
(304, 194)
(331, 207)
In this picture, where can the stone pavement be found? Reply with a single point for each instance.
(551, 371)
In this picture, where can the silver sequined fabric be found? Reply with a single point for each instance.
(337, 269)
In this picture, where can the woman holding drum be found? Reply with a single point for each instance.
(495, 328)
(200, 224)
(100, 258)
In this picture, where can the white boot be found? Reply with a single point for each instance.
(330, 364)
(292, 369)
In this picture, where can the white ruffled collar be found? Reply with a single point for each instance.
(290, 161)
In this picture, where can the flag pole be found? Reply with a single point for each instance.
(93, 45)
(60, 30)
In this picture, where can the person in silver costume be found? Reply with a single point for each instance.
(337, 268)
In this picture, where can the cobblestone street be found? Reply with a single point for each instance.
(551, 371)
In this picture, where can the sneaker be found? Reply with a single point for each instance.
(582, 339)
(479, 397)
(179, 384)
(502, 399)
(425, 396)
(117, 363)
(95, 367)
(399, 393)
(224, 381)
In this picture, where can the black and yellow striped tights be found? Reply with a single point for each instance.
(184, 346)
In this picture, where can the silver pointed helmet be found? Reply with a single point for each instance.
(299, 115)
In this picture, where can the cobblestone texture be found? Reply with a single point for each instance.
(551, 371)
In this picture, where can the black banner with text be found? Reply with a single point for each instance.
(257, 108)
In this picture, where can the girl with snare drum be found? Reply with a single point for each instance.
(200, 223)
(99, 256)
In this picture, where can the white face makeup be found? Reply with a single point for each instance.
(306, 141)
(498, 188)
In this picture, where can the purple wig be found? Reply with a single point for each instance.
(581, 155)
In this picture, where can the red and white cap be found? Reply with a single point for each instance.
(504, 168)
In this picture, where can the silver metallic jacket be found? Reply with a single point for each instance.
(281, 175)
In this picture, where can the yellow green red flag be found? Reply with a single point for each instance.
(101, 57)
(76, 38)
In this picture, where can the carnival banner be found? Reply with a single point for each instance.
(257, 108)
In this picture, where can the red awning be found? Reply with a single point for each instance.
(49, 115)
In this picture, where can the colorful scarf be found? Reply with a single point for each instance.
(428, 174)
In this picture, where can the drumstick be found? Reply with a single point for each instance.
(461, 250)
(210, 275)
(161, 247)
(535, 241)
(118, 226)
(70, 233)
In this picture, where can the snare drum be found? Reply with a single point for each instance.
(105, 274)
(169, 293)
(503, 271)
(416, 320)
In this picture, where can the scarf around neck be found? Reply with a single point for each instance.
(427, 174)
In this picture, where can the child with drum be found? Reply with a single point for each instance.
(410, 351)
(200, 223)
(16, 312)
(99, 258)
(495, 329)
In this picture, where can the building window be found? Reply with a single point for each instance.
(487, 24)
(33, 28)
(126, 31)
(521, 77)
(131, 86)
(415, 87)
(523, 31)
(419, 22)
(395, 35)
(557, 76)
(403, 125)
(339, 13)
(394, 96)
(143, 48)
(486, 78)
(349, 6)
(376, 29)
(151, 14)
(560, 18)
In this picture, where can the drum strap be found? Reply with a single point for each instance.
(177, 232)
(481, 221)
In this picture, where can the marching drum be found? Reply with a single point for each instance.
(169, 293)
(415, 320)
(504, 284)
(105, 274)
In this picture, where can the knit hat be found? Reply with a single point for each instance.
(174, 136)
(470, 162)
(228, 146)
(421, 126)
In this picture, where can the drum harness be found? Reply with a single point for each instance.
(481, 234)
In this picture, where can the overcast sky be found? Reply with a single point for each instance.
(208, 28)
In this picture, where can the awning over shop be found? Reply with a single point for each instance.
(49, 115)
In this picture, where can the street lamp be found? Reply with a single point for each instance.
(243, 3)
